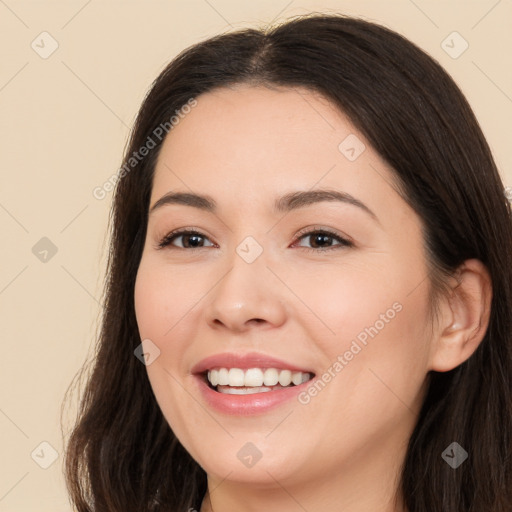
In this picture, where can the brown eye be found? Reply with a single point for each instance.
(189, 237)
(319, 239)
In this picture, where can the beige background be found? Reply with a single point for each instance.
(64, 121)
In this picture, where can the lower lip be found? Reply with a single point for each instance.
(243, 405)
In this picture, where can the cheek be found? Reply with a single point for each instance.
(166, 302)
(159, 306)
(157, 313)
(384, 358)
(348, 302)
(163, 299)
(371, 330)
(374, 375)
(149, 304)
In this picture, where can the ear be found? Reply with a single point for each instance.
(464, 317)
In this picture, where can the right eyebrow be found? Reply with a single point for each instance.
(187, 199)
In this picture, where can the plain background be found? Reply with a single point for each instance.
(64, 122)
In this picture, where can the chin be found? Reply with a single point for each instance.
(250, 462)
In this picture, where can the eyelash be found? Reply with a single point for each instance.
(167, 239)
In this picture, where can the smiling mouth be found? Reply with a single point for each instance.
(236, 381)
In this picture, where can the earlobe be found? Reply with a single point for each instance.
(465, 317)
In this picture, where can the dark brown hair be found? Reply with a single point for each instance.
(122, 455)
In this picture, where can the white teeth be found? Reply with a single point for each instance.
(253, 377)
(285, 377)
(260, 380)
(223, 377)
(271, 377)
(213, 376)
(297, 378)
(236, 377)
(243, 391)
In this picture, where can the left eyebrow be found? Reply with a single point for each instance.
(288, 202)
(302, 199)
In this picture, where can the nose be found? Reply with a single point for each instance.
(247, 296)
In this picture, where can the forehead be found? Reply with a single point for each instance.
(255, 142)
(244, 116)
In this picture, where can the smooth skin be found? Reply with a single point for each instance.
(245, 146)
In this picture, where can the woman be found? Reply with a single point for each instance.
(309, 288)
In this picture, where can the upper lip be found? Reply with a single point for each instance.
(244, 362)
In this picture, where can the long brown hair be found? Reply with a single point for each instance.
(122, 455)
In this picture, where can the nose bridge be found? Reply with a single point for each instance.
(245, 292)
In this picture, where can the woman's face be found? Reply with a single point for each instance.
(263, 280)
